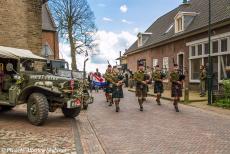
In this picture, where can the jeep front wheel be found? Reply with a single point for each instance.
(71, 113)
(37, 109)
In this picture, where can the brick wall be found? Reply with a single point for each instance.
(171, 50)
(132, 60)
(52, 39)
(21, 24)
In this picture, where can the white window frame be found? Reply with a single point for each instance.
(167, 66)
(163, 63)
(177, 30)
(155, 62)
(219, 53)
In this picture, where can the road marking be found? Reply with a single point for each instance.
(77, 137)
(98, 139)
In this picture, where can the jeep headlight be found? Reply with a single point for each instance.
(17, 77)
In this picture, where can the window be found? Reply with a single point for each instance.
(200, 49)
(225, 66)
(166, 63)
(195, 68)
(215, 47)
(46, 51)
(155, 62)
(193, 51)
(206, 49)
(224, 45)
(220, 58)
(179, 24)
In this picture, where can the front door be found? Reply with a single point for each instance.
(181, 62)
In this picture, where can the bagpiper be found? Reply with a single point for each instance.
(177, 81)
(157, 77)
(117, 91)
(108, 89)
(142, 80)
(203, 77)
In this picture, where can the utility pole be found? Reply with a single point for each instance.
(209, 57)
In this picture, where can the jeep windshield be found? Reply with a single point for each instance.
(61, 68)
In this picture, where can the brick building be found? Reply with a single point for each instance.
(26, 24)
(50, 44)
(181, 35)
(21, 24)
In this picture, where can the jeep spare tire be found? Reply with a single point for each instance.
(37, 108)
(71, 113)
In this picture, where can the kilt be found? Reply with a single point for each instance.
(108, 89)
(141, 91)
(158, 87)
(117, 92)
(176, 90)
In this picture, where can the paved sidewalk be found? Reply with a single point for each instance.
(193, 96)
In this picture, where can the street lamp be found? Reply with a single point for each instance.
(209, 57)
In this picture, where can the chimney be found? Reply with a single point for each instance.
(185, 3)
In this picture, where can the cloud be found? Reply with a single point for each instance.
(126, 21)
(101, 5)
(107, 19)
(109, 46)
(123, 8)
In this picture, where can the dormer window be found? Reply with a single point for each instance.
(179, 24)
(139, 40)
(183, 20)
(143, 38)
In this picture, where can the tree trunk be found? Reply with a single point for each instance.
(73, 52)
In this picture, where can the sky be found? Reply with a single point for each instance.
(118, 23)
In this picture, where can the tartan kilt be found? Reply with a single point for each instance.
(141, 91)
(158, 87)
(108, 88)
(176, 90)
(117, 92)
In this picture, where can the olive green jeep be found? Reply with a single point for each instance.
(60, 67)
(24, 79)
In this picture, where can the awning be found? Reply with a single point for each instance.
(15, 53)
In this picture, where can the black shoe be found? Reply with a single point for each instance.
(177, 109)
(110, 104)
(117, 109)
(159, 103)
(141, 108)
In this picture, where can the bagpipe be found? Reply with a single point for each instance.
(163, 72)
(181, 72)
(181, 75)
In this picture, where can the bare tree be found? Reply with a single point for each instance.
(76, 24)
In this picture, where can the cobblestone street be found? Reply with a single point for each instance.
(159, 129)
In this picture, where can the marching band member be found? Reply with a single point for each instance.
(177, 81)
(157, 77)
(142, 79)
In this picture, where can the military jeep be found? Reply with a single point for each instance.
(24, 80)
(60, 67)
